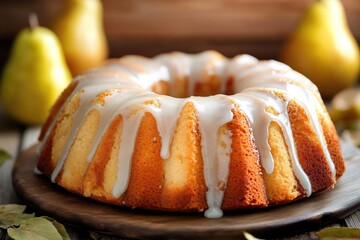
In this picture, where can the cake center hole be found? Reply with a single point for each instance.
(183, 88)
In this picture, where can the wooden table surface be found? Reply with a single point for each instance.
(15, 138)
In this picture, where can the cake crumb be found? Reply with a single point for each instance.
(221, 185)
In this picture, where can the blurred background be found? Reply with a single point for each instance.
(149, 27)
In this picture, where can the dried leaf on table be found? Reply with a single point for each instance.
(248, 236)
(35, 228)
(8, 220)
(12, 215)
(12, 208)
(59, 227)
(338, 233)
(21, 225)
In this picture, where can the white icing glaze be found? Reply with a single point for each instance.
(208, 109)
(254, 81)
(254, 105)
(37, 171)
(166, 119)
(178, 65)
(293, 84)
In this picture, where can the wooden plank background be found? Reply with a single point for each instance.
(150, 27)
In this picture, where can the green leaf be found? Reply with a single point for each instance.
(248, 236)
(12, 215)
(13, 219)
(59, 227)
(35, 229)
(12, 208)
(338, 233)
(30, 227)
(4, 156)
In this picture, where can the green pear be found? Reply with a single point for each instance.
(34, 76)
(79, 26)
(323, 48)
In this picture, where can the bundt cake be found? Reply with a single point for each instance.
(191, 132)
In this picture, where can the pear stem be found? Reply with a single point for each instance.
(33, 21)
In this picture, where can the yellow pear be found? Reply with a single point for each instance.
(79, 26)
(34, 76)
(323, 48)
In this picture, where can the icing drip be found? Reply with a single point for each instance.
(37, 171)
(215, 168)
(128, 94)
(129, 132)
(166, 115)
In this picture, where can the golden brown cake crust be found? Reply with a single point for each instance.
(310, 151)
(245, 187)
